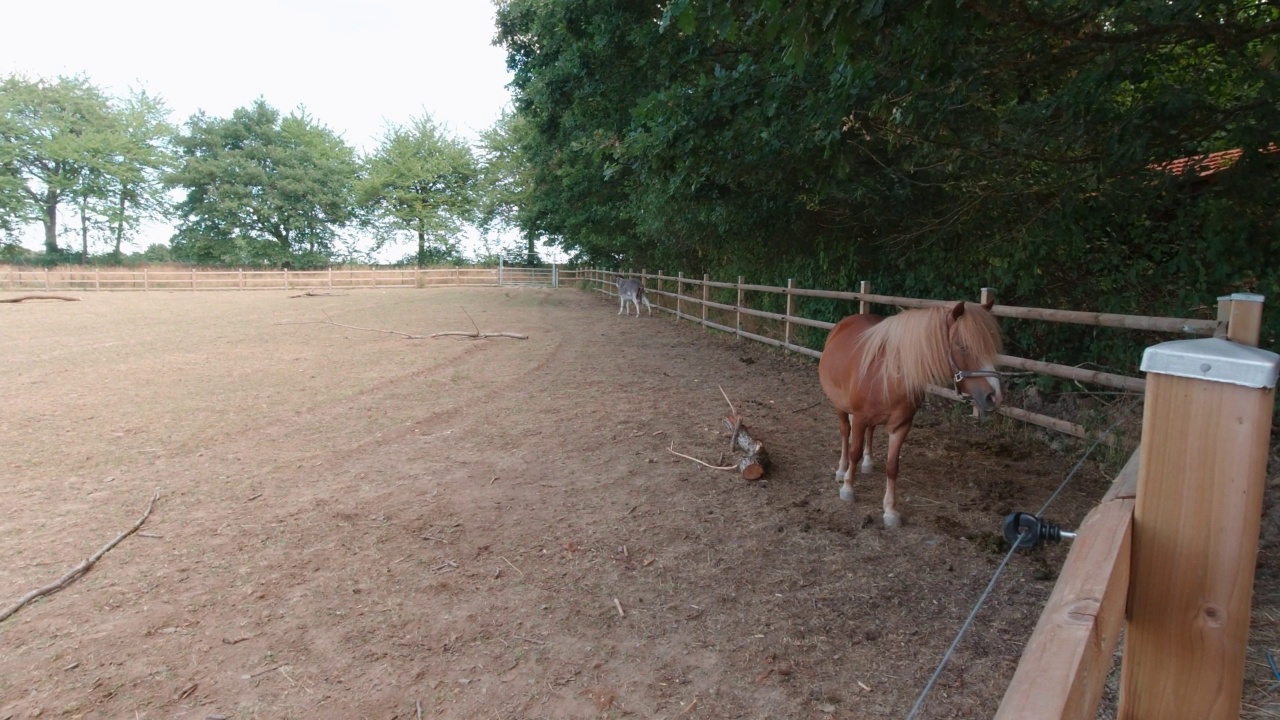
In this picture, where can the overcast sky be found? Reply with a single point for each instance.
(353, 65)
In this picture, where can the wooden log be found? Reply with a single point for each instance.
(755, 459)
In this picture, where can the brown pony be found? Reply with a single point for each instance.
(875, 371)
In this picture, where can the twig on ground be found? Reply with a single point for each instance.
(311, 293)
(418, 703)
(618, 605)
(513, 567)
(473, 321)
(806, 407)
(80, 569)
(688, 457)
(726, 399)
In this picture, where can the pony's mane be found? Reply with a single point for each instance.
(912, 345)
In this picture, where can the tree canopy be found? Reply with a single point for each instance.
(423, 182)
(261, 187)
(931, 148)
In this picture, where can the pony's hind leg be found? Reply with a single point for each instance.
(843, 469)
(856, 435)
(867, 465)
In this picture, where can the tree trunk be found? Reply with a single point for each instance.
(120, 226)
(84, 233)
(50, 221)
(422, 247)
(532, 251)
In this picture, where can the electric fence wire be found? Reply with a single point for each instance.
(995, 577)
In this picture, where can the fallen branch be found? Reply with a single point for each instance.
(80, 569)
(689, 457)
(480, 335)
(39, 296)
(311, 293)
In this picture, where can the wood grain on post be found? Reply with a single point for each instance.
(1244, 324)
(1206, 426)
(864, 287)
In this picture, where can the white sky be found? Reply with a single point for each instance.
(354, 65)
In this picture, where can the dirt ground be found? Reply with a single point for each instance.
(352, 524)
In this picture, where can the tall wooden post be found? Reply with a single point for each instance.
(786, 335)
(864, 287)
(1244, 324)
(679, 291)
(705, 297)
(738, 308)
(1205, 431)
(146, 282)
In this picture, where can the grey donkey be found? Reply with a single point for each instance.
(631, 290)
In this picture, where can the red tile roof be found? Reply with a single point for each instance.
(1206, 165)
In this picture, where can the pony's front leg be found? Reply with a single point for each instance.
(856, 436)
(897, 436)
(621, 304)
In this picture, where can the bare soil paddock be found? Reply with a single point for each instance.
(352, 524)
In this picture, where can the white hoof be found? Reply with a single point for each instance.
(846, 493)
(892, 519)
(839, 477)
(866, 467)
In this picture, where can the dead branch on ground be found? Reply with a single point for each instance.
(80, 569)
(39, 296)
(311, 293)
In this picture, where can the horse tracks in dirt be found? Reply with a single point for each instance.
(354, 524)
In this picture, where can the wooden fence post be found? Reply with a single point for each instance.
(679, 290)
(193, 279)
(1244, 324)
(146, 283)
(864, 287)
(786, 334)
(241, 271)
(46, 278)
(97, 278)
(286, 278)
(705, 297)
(1205, 431)
(738, 309)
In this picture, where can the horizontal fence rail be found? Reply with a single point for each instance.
(689, 299)
(14, 278)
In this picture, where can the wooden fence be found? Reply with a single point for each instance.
(73, 278)
(1171, 548)
(684, 306)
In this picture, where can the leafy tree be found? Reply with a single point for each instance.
(136, 190)
(57, 139)
(421, 181)
(261, 187)
(928, 147)
(506, 178)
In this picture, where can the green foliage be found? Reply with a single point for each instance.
(66, 142)
(931, 148)
(261, 187)
(423, 182)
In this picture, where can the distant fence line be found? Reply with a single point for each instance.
(683, 304)
(192, 279)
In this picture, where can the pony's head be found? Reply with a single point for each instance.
(973, 341)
